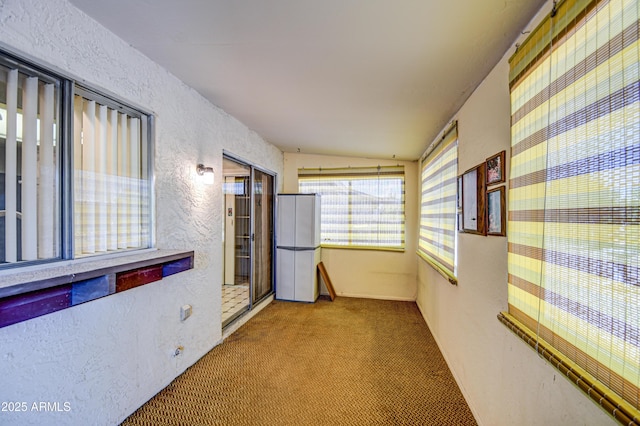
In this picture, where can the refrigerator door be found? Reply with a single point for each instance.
(307, 221)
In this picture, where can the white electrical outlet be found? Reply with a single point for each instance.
(185, 312)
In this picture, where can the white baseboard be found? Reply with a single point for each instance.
(373, 296)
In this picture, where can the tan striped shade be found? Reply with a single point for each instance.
(437, 244)
(111, 179)
(574, 193)
(361, 207)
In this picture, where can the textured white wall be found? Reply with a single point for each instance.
(107, 357)
(367, 273)
(504, 381)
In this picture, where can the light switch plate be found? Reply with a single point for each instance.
(185, 312)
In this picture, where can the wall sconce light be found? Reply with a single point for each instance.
(206, 173)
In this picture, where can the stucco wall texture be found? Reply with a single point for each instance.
(107, 357)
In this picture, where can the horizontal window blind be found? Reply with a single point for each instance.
(574, 198)
(29, 220)
(437, 243)
(361, 207)
(111, 179)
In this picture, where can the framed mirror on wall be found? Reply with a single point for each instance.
(473, 200)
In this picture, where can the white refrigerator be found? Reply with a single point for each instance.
(297, 247)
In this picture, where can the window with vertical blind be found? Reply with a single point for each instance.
(51, 142)
(574, 198)
(438, 207)
(361, 207)
(111, 176)
(30, 221)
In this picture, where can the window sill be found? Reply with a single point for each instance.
(29, 292)
(616, 406)
(453, 280)
(339, 247)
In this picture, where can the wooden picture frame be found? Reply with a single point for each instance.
(496, 220)
(473, 200)
(495, 172)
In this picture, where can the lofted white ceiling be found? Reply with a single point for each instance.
(366, 78)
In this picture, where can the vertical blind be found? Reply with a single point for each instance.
(28, 162)
(574, 198)
(111, 179)
(437, 244)
(361, 207)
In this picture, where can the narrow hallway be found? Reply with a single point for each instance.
(351, 361)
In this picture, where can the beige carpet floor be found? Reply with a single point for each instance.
(346, 362)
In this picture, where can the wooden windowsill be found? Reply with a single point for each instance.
(20, 280)
(37, 290)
